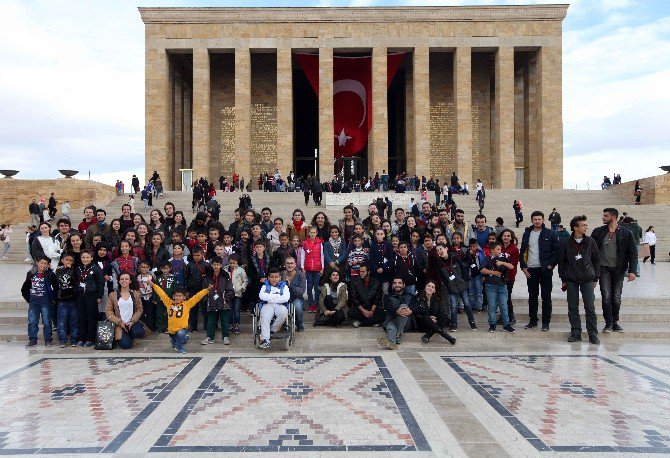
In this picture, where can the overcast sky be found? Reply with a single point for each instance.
(72, 86)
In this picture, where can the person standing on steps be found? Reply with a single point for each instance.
(618, 255)
(538, 256)
(579, 269)
(650, 239)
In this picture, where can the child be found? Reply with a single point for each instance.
(179, 313)
(296, 243)
(474, 259)
(65, 209)
(177, 263)
(282, 251)
(101, 258)
(356, 257)
(66, 319)
(195, 274)
(259, 265)
(168, 282)
(219, 300)
(40, 289)
(144, 280)
(125, 263)
(227, 247)
(240, 283)
(202, 242)
(495, 272)
(191, 238)
(312, 260)
(90, 289)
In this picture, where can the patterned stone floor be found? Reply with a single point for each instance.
(539, 399)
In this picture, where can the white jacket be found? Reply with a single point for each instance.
(650, 238)
(240, 280)
(275, 295)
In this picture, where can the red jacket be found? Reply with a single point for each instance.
(83, 226)
(313, 254)
(512, 252)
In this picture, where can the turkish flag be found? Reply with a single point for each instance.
(352, 97)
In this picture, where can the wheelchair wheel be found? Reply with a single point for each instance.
(254, 328)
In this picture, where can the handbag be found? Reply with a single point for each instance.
(105, 335)
(644, 251)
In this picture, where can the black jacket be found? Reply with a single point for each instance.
(93, 280)
(626, 248)
(406, 268)
(422, 308)
(66, 283)
(359, 294)
(549, 246)
(195, 276)
(49, 280)
(453, 276)
(392, 303)
(583, 270)
(221, 296)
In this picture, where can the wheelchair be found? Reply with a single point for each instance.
(286, 333)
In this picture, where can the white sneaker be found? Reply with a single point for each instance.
(206, 341)
(356, 323)
(28, 260)
(5, 257)
(226, 341)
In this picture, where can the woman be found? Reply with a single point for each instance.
(405, 267)
(386, 225)
(137, 220)
(637, 192)
(144, 236)
(650, 238)
(430, 316)
(312, 262)
(322, 224)
(406, 229)
(332, 302)
(511, 251)
(334, 252)
(124, 309)
(115, 235)
(179, 222)
(157, 221)
(45, 245)
(74, 246)
(375, 223)
(297, 225)
(347, 223)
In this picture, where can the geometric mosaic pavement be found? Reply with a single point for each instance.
(82, 405)
(574, 403)
(282, 404)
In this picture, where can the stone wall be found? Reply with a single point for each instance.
(17, 195)
(655, 190)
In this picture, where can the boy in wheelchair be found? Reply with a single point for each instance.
(274, 297)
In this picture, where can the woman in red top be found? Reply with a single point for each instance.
(297, 226)
(509, 249)
(312, 262)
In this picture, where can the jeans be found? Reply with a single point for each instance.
(215, 316)
(540, 277)
(34, 312)
(454, 297)
(6, 246)
(126, 340)
(87, 317)
(193, 317)
(410, 289)
(312, 287)
(377, 317)
(298, 306)
(149, 313)
(179, 338)
(235, 310)
(510, 305)
(396, 327)
(66, 320)
(437, 199)
(589, 308)
(611, 284)
(269, 311)
(497, 297)
(476, 292)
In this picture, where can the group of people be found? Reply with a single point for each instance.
(395, 269)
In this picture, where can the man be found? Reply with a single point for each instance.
(274, 296)
(135, 182)
(169, 214)
(426, 213)
(554, 219)
(297, 284)
(389, 207)
(34, 210)
(398, 310)
(539, 255)
(562, 233)
(365, 299)
(52, 206)
(579, 269)
(88, 221)
(101, 228)
(618, 255)
(459, 225)
(481, 231)
(372, 210)
(126, 218)
(266, 220)
(63, 232)
(237, 222)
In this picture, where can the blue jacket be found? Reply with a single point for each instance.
(329, 253)
(549, 246)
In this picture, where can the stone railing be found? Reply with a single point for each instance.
(655, 190)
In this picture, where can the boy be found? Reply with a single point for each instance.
(168, 282)
(178, 263)
(274, 296)
(281, 252)
(474, 259)
(240, 282)
(357, 256)
(495, 272)
(65, 209)
(67, 302)
(202, 243)
(219, 300)
(40, 290)
(192, 238)
(195, 276)
(144, 280)
(178, 313)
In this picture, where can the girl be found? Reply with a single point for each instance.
(405, 266)
(381, 259)
(177, 263)
(511, 252)
(90, 289)
(156, 254)
(333, 302)
(296, 243)
(74, 246)
(312, 260)
(179, 221)
(101, 259)
(125, 263)
(157, 221)
(4, 237)
(115, 235)
(137, 220)
(334, 252)
(258, 270)
(650, 238)
(430, 317)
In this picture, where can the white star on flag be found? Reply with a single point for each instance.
(342, 138)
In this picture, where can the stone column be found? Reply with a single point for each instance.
(421, 81)
(378, 150)
(243, 114)
(284, 111)
(201, 95)
(157, 146)
(326, 119)
(551, 117)
(502, 163)
(463, 99)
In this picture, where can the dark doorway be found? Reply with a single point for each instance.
(305, 124)
(396, 121)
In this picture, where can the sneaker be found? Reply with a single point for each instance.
(425, 338)
(531, 325)
(48, 343)
(384, 342)
(180, 350)
(28, 260)
(226, 341)
(512, 320)
(492, 328)
(206, 341)
(236, 329)
(63, 345)
(73, 344)
(473, 325)
(81, 343)
(356, 323)
(545, 327)
(300, 329)
(453, 328)
(509, 329)
(264, 345)
(88, 344)
(594, 340)
(607, 328)
(617, 328)
(574, 338)
(32, 343)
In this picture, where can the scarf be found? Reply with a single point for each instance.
(298, 224)
(336, 243)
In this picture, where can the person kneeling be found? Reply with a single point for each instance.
(398, 306)
(124, 309)
(332, 302)
(366, 299)
(274, 296)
